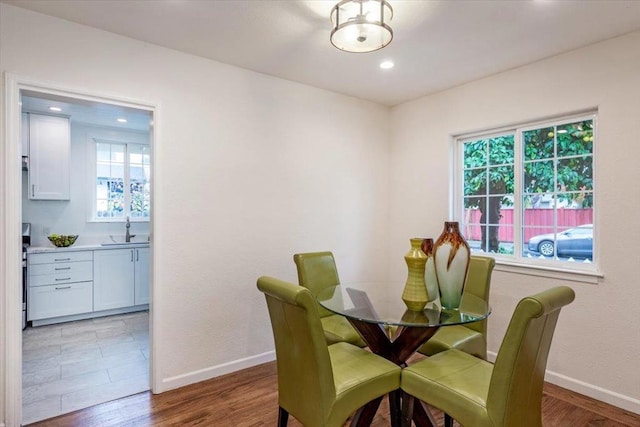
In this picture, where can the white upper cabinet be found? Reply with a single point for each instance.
(49, 152)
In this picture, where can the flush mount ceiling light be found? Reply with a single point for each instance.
(361, 25)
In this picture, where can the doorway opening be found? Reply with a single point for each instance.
(84, 335)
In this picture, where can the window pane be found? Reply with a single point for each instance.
(139, 200)
(139, 188)
(575, 138)
(501, 150)
(117, 153)
(475, 182)
(539, 177)
(575, 174)
(136, 173)
(117, 171)
(501, 180)
(488, 187)
(475, 154)
(557, 198)
(538, 144)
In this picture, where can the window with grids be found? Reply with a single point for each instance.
(122, 186)
(527, 194)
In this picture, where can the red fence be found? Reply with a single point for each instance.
(536, 221)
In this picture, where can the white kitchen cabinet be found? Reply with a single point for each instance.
(141, 276)
(49, 156)
(113, 279)
(59, 284)
(50, 301)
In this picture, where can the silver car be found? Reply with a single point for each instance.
(574, 242)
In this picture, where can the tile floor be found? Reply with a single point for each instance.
(74, 365)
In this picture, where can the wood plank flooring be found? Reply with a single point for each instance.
(248, 398)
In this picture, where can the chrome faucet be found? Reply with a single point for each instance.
(127, 236)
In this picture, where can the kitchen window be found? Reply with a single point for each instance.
(526, 194)
(120, 181)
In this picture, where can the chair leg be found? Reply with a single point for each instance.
(448, 421)
(283, 417)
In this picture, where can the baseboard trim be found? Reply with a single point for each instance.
(607, 396)
(215, 371)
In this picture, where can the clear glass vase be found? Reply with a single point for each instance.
(451, 259)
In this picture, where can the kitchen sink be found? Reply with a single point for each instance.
(123, 243)
(119, 240)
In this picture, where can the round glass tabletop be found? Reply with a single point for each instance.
(369, 303)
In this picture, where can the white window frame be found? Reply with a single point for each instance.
(578, 271)
(91, 203)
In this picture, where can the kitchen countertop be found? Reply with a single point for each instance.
(76, 248)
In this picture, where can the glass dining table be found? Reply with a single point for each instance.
(394, 332)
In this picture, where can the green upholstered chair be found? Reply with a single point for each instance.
(317, 271)
(472, 337)
(319, 385)
(508, 393)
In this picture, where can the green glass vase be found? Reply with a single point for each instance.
(414, 294)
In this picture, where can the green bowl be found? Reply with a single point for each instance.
(62, 240)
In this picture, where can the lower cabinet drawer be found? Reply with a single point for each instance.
(49, 301)
(55, 274)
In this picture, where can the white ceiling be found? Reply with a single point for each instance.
(89, 112)
(437, 43)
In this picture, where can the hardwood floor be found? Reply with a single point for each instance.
(248, 398)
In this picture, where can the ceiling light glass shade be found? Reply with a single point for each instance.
(361, 25)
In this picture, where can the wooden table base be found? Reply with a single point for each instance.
(407, 340)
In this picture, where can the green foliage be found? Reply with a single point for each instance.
(489, 170)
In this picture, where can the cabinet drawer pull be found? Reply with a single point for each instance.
(131, 255)
(66, 278)
(62, 259)
(63, 287)
(62, 268)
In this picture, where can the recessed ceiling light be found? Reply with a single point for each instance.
(55, 109)
(122, 120)
(385, 65)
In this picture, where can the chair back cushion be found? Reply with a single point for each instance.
(317, 271)
(515, 391)
(305, 378)
(479, 284)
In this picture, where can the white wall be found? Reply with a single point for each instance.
(249, 169)
(597, 341)
(70, 216)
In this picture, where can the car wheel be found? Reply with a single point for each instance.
(546, 248)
